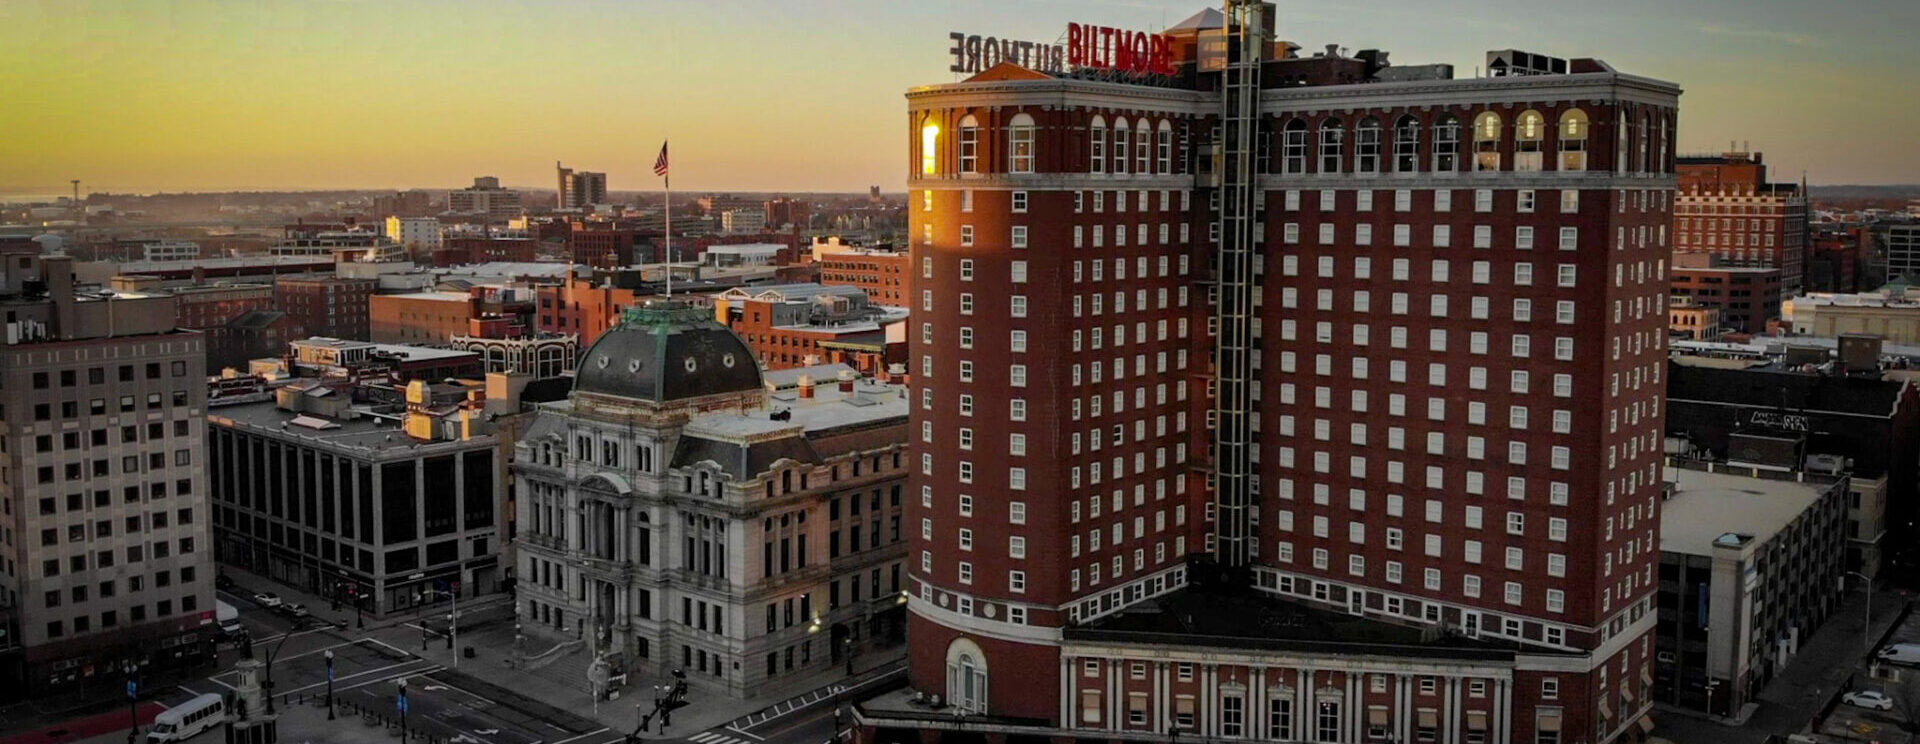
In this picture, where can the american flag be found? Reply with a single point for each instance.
(660, 165)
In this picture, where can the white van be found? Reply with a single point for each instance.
(1901, 653)
(182, 722)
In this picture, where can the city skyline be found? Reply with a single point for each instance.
(215, 97)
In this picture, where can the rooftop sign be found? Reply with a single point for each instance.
(1095, 47)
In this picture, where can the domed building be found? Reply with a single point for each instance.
(683, 510)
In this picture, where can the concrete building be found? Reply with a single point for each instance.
(675, 513)
(579, 189)
(170, 250)
(201, 307)
(1726, 207)
(1798, 414)
(1889, 312)
(326, 305)
(1746, 296)
(1901, 247)
(103, 559)
(743, 220)
(1356, 355)
(327, 243)
(486, 199)
(369, 505)
(1750, 565)
(416, 234)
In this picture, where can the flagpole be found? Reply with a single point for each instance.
(669, 206)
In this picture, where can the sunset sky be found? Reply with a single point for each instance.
(795, 95)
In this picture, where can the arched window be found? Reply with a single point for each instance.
(1573, 140)
(1020, 144)
(1143, 148)
(1620, 153)
(1121, 143)
(1446, 144)
(1097, 134)
(1530, 133)
(929, 147)
(1332, 134)
(1366, 146)
(1165, 154)
(969, 145)
(1406, 145)
(1486, 142)
(966, 676)
(1293, 147)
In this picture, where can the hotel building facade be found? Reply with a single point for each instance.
(1302, 399)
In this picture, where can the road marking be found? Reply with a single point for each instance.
(188, 690)
(582, 736)
(337, 680)
(745, 734)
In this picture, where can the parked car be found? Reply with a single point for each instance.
(1870, 699)
(266, 599)
(293, 610)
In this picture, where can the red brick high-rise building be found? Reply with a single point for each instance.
(1286, 398)
(1726, 207)
(326, 305)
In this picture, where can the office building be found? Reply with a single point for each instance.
(326, 305)
(1726, 207)
(1746, 296)
(434, 317)
(1370, 357)
(370, 505)
(1750, 566)
(743, 220)
(485, 198)
(104, 559)
(1901, 247)
(420, 234)
(882, 272)
(804, 325)
(675, 513)
(579, 189)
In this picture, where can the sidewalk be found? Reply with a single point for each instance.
(247, 582)
(563, 684)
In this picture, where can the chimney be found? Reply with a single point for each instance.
(806, 386)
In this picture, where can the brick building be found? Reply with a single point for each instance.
(583, 307)
(803, 325)
(882, 273)
(606, 245)
(1357, 401)
(1726, 207)
(326, 305)
(1746, 296)
(435, 317)
(459, 250)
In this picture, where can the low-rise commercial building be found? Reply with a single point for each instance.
(800, 325)
(883, 273)
(1746, 296)
(1749, 567)
(1888, 312)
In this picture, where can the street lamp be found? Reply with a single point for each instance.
(1866, 623)
(329, 655)
(401, 703)
(846, 647)
(133, 711)
(453, 622)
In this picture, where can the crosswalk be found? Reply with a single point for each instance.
(711, 737)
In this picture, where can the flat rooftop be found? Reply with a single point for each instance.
(364, 434)
(1706, 506)
(830, 408)
(1221, 617)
